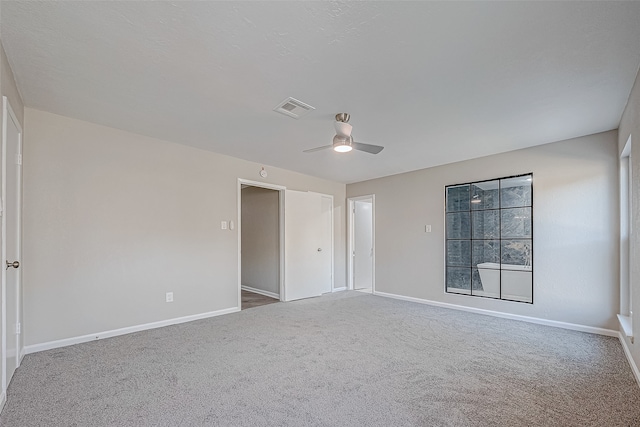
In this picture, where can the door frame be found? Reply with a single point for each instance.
(351, 240)
(9, 114)
(281, 195)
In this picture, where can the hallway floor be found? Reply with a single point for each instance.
(251, 300)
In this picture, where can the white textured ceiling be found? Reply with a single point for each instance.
(432, 82)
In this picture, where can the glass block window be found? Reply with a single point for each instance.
(489, 238)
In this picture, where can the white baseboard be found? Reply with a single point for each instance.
(3, 400)
(22, 353)
(344, 288)
(34, 348)
(260, 291)
(627, 352)
(554, 323)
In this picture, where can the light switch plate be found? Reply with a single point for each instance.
(223, 225)
(169, 296)
(427, 229)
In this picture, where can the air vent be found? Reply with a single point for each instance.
(293, 108)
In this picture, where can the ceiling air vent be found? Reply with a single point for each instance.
(293, 108)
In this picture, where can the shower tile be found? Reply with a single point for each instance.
(459, 225)
(485, 195)
(516, 223)
(459, 253)
(476, 283)
(516, 253)
(515, 192)
(459, 280)
(485, 251)
(486, 224)
(458, 198)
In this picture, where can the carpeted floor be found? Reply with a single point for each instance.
(346, 359)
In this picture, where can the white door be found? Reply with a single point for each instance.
(11, 226)
(304, 251)
(327, 244)
(363, 245)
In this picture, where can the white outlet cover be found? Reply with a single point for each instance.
(223, 225)
(169, 296)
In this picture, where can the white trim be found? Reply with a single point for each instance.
(626, 325)
(34, 348)
(23, 352)
(3, 251)
(261, 292)
(351, 239)
(632, 363)
(626, 150)
(333, 255)
(281, 195)
(536, 320)
(19, 316)
(344, 288)
(626, 225)
(3, 400)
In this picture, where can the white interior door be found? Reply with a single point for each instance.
(11, 231)
(304, 251)
(363, 245)
(326, 256)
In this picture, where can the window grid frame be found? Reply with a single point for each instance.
(499, 238)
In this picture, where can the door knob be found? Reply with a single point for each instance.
(14, 264)
(319, 249)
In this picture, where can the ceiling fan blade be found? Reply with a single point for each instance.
(313, 150)
(369, 148)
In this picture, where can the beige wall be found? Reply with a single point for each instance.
(575, 229)
(261, 239)
(114, 220)
(630, 126)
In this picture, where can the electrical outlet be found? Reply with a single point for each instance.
(169, 296)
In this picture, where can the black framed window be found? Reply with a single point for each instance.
(489, 238)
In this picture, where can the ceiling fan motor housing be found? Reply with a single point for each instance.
(343, 117)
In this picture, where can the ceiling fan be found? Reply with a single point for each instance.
(343, 141)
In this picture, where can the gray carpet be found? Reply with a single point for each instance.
(348, 359)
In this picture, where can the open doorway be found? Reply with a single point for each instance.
(626, 213)
(362, 243)
(308, 237)
(261, 245)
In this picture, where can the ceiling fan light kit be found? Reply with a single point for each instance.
(342, 144)
(343, 141)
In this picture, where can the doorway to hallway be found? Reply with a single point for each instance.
(285, 242)
(362, 243)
